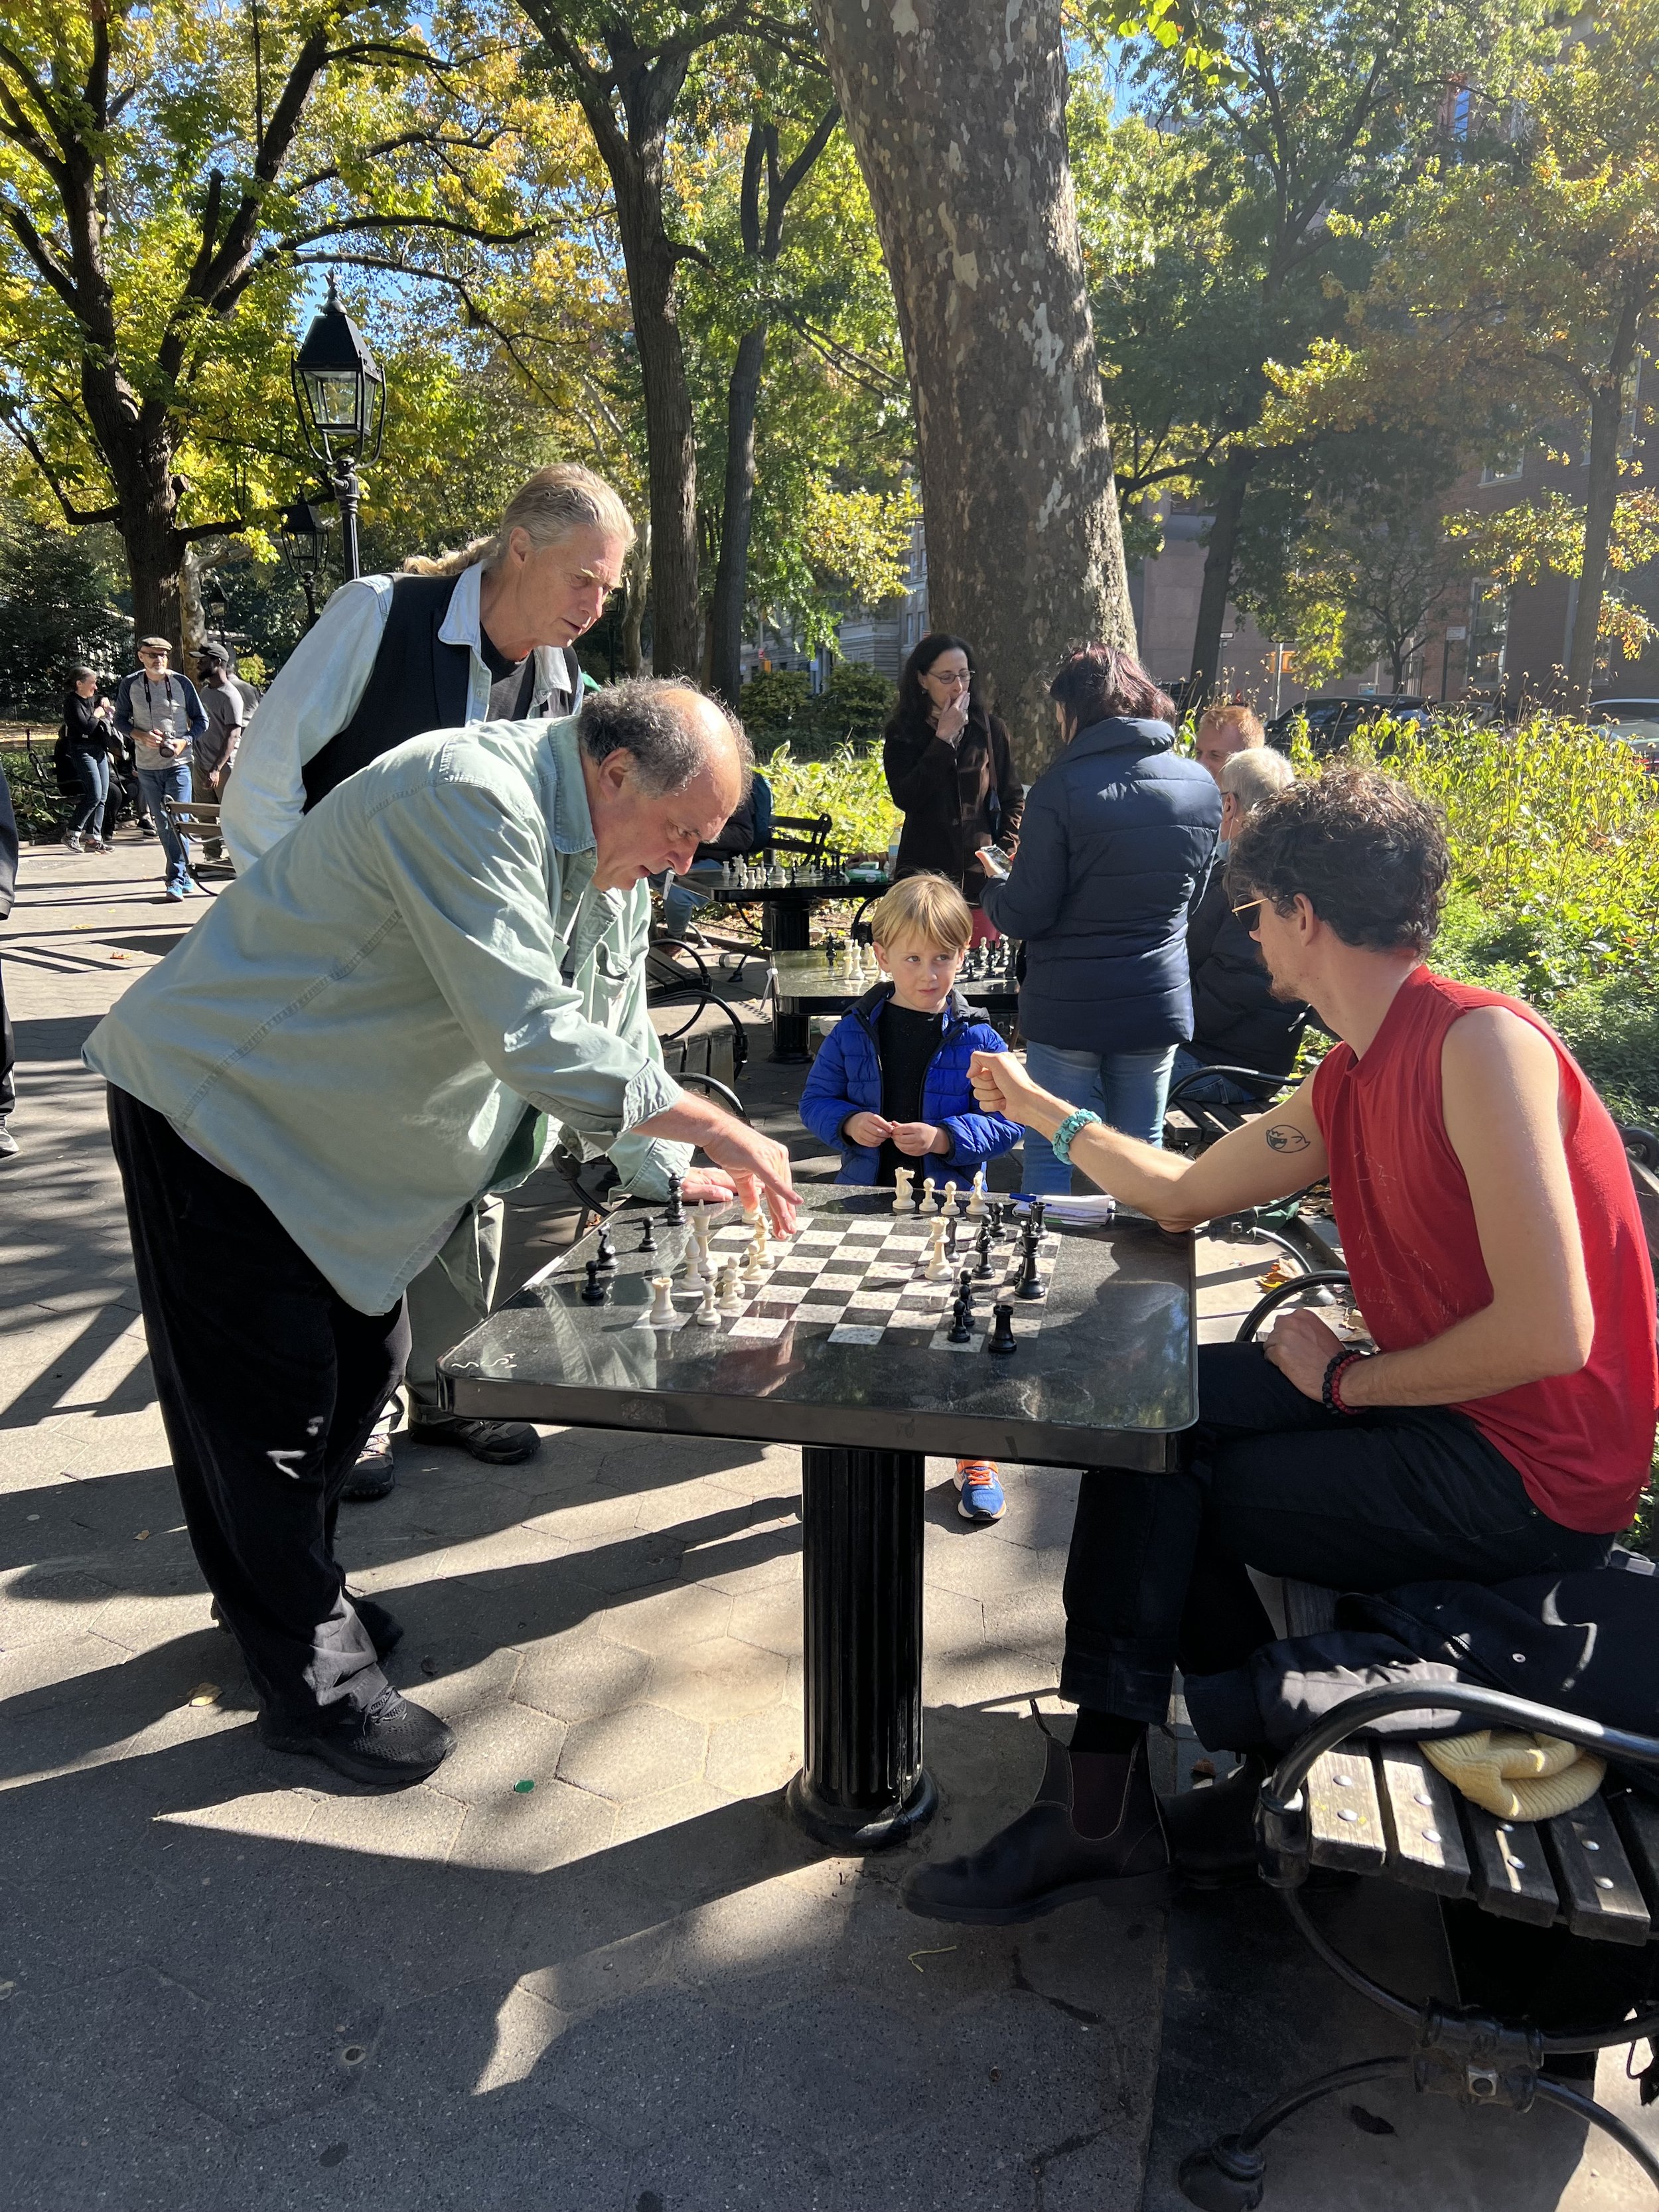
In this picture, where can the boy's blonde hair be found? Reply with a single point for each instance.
(1229, 714)
(928, 907)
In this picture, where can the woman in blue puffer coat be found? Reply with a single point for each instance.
(1117, 842)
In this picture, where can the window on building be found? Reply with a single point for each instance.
(1489, 633)
(1505, 468)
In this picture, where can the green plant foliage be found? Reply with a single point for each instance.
(850, 786)
(850, 710)
(58, 594)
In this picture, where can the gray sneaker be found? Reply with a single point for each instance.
(8, 1142)
(71, 842)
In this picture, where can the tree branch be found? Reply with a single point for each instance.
(78, 516)
(21, 225)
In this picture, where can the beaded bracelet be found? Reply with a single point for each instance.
(1075, 1122)
(1328, 1395)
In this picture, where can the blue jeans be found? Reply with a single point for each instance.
(1126, 1089)
(162, 783)
(682, 899)
(1219, 1091)
(92, 769)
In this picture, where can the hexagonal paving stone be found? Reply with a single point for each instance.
(771, 1618)
(498, 1748)
(633, 1753)
(748, 1758)
(719, 1681)
(579, 1677)
(548, 1827)
(667, 1619)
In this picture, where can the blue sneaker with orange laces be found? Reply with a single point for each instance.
(979, 1500)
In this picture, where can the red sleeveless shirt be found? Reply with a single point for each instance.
(1582, 1443)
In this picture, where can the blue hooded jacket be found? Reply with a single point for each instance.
(845, 1080)
(1116, 844)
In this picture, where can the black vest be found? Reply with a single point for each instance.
(417, 683)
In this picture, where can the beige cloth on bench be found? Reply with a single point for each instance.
(1518, 1776)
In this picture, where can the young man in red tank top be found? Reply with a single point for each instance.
(1505, 1425)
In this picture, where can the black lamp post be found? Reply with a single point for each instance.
(341, 397)
(305, 549)
(214, 606)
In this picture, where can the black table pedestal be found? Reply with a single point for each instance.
(864, 1785)
(791, 932)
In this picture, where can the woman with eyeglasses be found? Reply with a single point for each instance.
(950, 771)
(1119, 836)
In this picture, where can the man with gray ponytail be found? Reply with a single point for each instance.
(485, 635)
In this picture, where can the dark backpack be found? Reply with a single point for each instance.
(65, 773)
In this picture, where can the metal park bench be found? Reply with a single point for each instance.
(199, 824)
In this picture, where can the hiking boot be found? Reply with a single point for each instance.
(1043, 1860)
(388, 1744)
(1212, 1832)
(373, 1474)
(497, 1444)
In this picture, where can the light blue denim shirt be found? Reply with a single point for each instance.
(355, 1029)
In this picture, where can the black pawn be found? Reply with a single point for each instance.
(1029, 1286)
(965, 1288)
(983, 1271)
(607, 1251)
(960, 1331)
(1002, 1336)
(1039, 1208)
(675, 1217)
(648, 1242)
(594, 1292)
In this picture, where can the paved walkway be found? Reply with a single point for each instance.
(588, 1967)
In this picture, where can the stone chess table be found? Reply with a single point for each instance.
(1105, 1378)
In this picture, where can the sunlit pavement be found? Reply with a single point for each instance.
(589, 1964)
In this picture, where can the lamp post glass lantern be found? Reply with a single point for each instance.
(341, 398)
(305, 549)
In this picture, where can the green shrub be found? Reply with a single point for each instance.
(849, 786)
(850, 710)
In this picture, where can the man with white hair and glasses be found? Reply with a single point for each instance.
(485, 633)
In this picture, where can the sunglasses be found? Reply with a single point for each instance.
(1250, 905)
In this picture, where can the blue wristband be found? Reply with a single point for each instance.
(1078, 1119)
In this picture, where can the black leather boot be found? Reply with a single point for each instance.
(1041, 1861)
(1212, 1832)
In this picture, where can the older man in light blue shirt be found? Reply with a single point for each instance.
(312, 1088)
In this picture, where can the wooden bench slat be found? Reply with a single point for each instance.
(1598, 1888)
(1636, 1816)
(1345, 1821)
(1426, 1842)
(1511, 1877)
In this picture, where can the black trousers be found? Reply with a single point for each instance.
(1155, 1577)
(269, 1383)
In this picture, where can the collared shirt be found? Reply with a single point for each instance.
(355, 1027)
(318, 689)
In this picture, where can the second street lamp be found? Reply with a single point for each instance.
(341, 398)
(304, 549)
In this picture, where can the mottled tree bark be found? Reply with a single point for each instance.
(1218, 573)
(956, 109)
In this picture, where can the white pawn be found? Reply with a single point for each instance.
(752, 1270)
(929, 1189)
(708, 1314)
(693, 1276)
(948, 1203)
(731, 1299)
(662, 1302)
(976, 1196)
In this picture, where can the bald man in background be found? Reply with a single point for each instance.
(373, 1025)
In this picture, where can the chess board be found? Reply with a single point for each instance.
(862, 1279)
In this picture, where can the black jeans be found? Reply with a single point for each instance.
(1157, 1579)
(268, 1384)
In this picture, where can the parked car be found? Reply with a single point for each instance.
(1633, 723)
(1332, 722)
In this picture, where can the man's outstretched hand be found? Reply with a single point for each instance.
(754, 1164)
(1002, 1086)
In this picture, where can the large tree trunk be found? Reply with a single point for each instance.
(637, 572)
(731, 572)
(958, 114)
(670, 436)
(1219, 575)
(1601, 497)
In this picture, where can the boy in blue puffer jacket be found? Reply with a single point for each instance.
(889, 1086)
